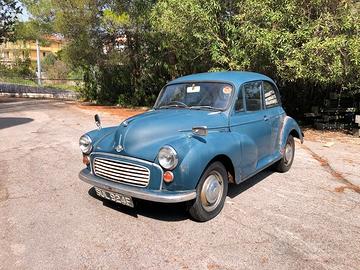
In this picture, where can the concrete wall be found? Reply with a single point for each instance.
(15, 90)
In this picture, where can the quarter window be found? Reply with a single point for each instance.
(252, 93)
(271, 98)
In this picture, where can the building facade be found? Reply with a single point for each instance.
(11, 51)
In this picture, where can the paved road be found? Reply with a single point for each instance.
(343, 157)
(48, 220)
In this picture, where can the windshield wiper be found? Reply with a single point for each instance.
(172, 106)
(205, 107)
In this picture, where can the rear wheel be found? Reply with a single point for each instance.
(211, 193)
(284, 164)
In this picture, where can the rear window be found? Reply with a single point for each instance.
(270, 95)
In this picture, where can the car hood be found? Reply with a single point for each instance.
(143, 135)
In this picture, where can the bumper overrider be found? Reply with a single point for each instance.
(163, 196)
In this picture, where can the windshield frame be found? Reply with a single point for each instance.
(155, 107)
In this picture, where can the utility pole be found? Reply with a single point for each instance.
(38, 62)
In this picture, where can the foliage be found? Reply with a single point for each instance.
(9, 10)
(127, 50)
(21, 68)
(306, 45)
(30, 30)
(54, 67)
(48, 61)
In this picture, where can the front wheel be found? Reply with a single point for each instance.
(284, 164)
(211, 193)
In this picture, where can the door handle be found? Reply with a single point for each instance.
(266, 118)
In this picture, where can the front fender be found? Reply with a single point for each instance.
(196, 152)
(97, 135)
(290, 126)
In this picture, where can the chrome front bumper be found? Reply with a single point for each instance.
(136, 192)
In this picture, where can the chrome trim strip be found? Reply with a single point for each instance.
(134, 159)
(115, 175)
(136, 192)
(127, 182)
(245, 123)
(125, 171)
(208, 128)
(125, 157)
(121, 165)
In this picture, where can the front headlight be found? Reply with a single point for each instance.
(168, 158)
(85, 144)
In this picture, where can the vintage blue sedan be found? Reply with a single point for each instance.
(205, 131)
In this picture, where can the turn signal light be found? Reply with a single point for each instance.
(168, 177)
(86, 160)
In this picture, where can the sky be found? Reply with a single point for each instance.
(25, 15)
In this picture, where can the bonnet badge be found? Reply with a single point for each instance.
(119, 147)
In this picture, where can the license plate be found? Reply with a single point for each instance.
(115, 197)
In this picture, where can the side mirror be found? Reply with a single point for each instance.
(97, 121)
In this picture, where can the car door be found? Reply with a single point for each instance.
(249, 122)
(274, 113)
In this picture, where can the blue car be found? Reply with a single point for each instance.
(205, 131)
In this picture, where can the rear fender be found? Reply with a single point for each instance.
(290, 127)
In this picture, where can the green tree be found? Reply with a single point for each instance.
(308, 45)
(128, 49)
(9, 11)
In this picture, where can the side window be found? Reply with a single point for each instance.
(239, 105)
(270, 96)
(252, 93)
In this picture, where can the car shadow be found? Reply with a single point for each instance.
(173, 211)
(160, 211)
(235, 190)
(6, 122)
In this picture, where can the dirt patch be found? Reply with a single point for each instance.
(114, 110)
(352, 187)
(324, 162)
(325, 136)
(213, 266)
(337, 175)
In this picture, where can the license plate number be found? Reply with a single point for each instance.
(115, 197)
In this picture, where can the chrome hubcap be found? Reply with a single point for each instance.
(212, 191)
(288, 153)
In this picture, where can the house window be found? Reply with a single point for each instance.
(44, 54)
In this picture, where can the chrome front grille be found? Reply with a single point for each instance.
(121, 172)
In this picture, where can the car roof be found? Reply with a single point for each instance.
(235, 77)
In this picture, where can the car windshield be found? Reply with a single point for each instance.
(196, 95)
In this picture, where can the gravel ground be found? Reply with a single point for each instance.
(51, 220)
